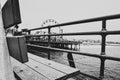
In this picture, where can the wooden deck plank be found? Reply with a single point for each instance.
(51, 73)
(60, 67)
(26, 73)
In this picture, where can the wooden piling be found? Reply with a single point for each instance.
(71, 60)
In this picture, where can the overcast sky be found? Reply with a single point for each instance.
(35, 12)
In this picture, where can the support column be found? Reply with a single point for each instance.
(6, 71)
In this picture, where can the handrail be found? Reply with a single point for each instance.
(82, 33)
(77, 52)
(103, 33)
(81, 21)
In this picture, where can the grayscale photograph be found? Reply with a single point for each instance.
(59, 39)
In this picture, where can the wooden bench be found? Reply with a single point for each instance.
(38, 68)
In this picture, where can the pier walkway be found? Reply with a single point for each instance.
(38, 68)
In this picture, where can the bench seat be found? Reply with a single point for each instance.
(38, 68)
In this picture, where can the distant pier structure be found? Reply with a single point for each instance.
(55, 41)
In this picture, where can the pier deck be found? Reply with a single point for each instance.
(38, 68)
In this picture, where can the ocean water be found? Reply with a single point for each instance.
(91, 65)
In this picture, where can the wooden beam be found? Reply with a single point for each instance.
(6, 72)
(24, 72)
(49, 72)
(69, 71)
(57, 66)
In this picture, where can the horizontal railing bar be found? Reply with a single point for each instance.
(66, 34)
(82, 21)
(77, 52)
(112, 32)
(82, 33)
(88, 75)
(57, 42)
(64, 50)
(38, 28)
(111, 58)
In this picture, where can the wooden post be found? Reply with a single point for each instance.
(6, 71)
(70, 59)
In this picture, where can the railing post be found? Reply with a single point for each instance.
(29, 32)
(103, 45)
(102, 67)
(28, 37)
(49, 42)
(103, 37)
(79, 45)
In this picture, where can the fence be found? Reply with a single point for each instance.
(103, 34)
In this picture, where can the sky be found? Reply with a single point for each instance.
(35, 12)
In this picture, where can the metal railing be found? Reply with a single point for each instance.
(103, 33)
